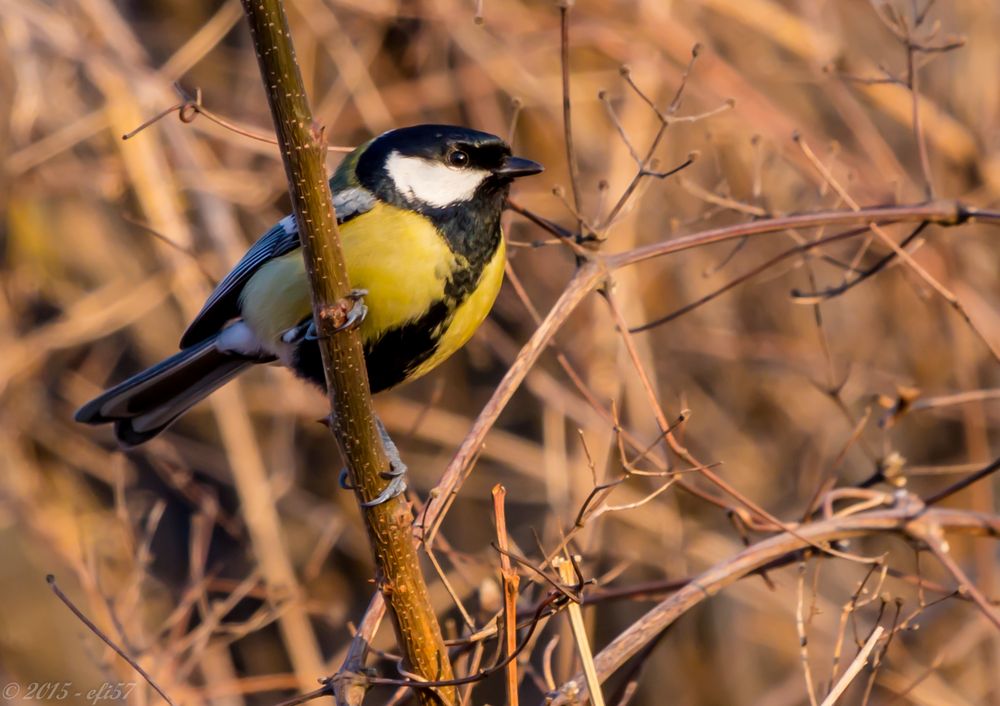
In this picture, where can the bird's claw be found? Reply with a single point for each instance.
(350, 319)
(396, 475)
(358, 311)
(397, 486)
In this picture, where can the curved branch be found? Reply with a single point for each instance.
(945, 213)
(909, 518)
(589, 276)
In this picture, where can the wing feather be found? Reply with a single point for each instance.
(223, 304)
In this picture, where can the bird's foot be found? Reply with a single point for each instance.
(396, 475)
(397, 485)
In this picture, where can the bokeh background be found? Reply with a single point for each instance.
(109, 247)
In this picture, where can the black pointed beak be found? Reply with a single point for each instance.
(514, 167)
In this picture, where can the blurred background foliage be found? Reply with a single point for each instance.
(224, 557)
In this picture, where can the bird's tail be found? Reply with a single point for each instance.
(146, 404)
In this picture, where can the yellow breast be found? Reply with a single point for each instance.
(469, 315)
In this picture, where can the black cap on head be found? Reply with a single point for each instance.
(450, 145)
(435, 143)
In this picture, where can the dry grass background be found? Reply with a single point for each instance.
(224, 558)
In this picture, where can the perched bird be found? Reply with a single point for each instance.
(419, 211)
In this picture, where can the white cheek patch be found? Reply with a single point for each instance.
(433, 183)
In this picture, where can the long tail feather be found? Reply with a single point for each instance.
(146, 404)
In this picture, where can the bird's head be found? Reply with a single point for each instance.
(440, 167)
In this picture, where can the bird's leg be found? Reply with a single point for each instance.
(396, 473)
(346, 314)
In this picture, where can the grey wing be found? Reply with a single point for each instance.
(223, 304)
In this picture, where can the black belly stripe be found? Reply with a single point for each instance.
(393, 357)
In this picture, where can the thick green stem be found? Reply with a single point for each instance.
(353, 421)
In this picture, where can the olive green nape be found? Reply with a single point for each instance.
(344, 177)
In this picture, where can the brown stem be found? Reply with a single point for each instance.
(574, 169)
(352, 418)
(913, 83)
(511, 581)
(939, 212)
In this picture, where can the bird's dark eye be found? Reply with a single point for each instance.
(458, 158)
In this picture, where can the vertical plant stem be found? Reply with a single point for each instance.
(511, 582)
(568, 577)
(857, 664)
(918, 128)
(574, 169)
(352, 419)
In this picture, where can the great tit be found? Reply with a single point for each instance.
(419, 212)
